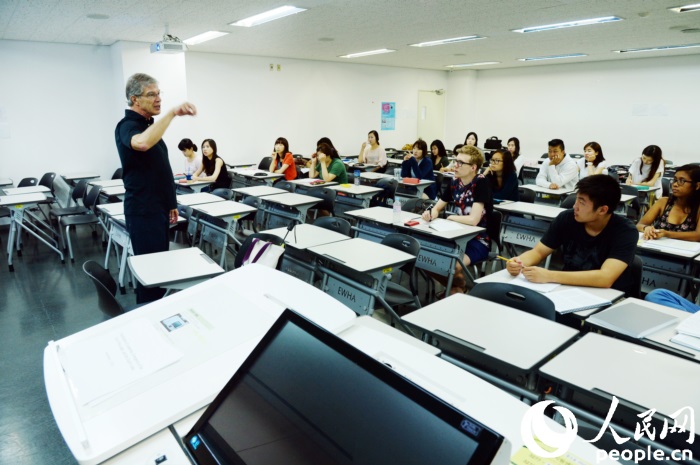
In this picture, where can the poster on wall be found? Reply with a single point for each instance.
(388, 116)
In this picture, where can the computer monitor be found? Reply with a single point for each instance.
(305, 396)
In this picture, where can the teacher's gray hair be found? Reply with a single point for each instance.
(135, 85)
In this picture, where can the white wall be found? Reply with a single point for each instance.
(623, 105)
(54, 109)
(244, 106)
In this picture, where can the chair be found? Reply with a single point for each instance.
(265, 163)
(106, 289)
(226, 194)
(276, 240)
(569, 201)
(77, 195)
(440, 183)
(248, 220)
(87, 218)
(634, 209)
(214, 234)
(529, 174)
(525, 194)
(665, 187)
(327, 197)
(27, 182)
(286, 185)
(396, 294)
(636, 268)
(118, 173)
(333, 223)
(518, 297)
(388, 186)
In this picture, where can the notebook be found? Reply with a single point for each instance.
(575, 300)
(690, 326)
(632, 320)
(690, 342)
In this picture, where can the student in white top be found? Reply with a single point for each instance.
(559, 171)
(593, 161)
(372, 153)
(192, 162)
(514, 149)
(648, 169)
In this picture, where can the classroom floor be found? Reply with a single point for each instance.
(41, 301)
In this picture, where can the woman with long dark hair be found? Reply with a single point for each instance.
(326, 165)
(283, 160)
(503, 176)
(372, 153)
(647, 169)
(593, 161)
(418, 165)
(213, 167)
(439, 155)
(514, 149)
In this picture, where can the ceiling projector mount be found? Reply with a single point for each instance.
(169, 44)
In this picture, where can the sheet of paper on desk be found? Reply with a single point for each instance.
(685, 340)
(522, 281)
(690, 326)
(672, 244)
(104, 364)
(575, 299)
(444, 225)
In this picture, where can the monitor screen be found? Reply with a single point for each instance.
(304, 396)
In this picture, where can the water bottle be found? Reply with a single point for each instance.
(397, 211)
(188, 173)
(357, 177)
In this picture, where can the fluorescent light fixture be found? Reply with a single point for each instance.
(454, 40)
(466, 65)
(582, 22)
(554, 57)
(686, 8)
(366, 54)
(209, 35)
(271, 15)
(660, 48)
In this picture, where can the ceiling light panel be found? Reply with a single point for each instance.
(454, 40)
(581, 22)
(268, 16)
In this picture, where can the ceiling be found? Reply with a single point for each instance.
(331, 28)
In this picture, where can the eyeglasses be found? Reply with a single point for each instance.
(680, 181)
(496, 162)
(151, 95)
(460, 163)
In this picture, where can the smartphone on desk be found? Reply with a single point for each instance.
(412, 223)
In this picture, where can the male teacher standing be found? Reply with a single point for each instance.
(149, 203)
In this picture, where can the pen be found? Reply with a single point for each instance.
(503, 258)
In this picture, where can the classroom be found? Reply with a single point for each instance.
(66, 65)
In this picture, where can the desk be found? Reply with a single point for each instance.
(280, 208)
(303, 186)
(661, 339)
(517, 229)
(229, 213)
(625, 202)
(72, 178)
(667, 263)
(197, 199)
(593, 369)
(611, 295)
(191, 186)
(373, 176)
(356, 272)
(258, 191)
(4, 182)
(18, 206)
(645, 194)
(214, 344)
(413, 191)
(352, 197)
(297, 261)
(114, 191)
(242, 177)
(173, 269)
(490, 337)
(111, 209)
(548, 196)
(27, 190)
(107, 183)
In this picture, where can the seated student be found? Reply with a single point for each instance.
(593, 161)
(503, 176)
(372, 153)
(327, 165)
(472, 139)
(514, 149)
(213, 168)
(671, 299)
(597, 245)
(560, 171)
(283, 160)
(678, 215)
(470, 195)
(192, 162)
(418, 165)
(439, 155)
(648, 169)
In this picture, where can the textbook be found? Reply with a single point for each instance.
(632, 320)
(575, 300)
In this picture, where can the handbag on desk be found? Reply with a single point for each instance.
(492, 143)
(263, 253)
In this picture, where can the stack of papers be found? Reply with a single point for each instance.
(689, 332)
(574, 300)
(632, 320)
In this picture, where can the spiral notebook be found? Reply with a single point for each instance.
(575, 300)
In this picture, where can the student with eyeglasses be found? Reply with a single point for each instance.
(678, 215)
(503, 176)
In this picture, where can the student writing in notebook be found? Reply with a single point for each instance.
(678, 215)
(470, 195)
(597, 245)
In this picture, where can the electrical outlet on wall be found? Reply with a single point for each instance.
(272, 67)
(279, 67)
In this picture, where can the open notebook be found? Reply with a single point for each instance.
(632, 320)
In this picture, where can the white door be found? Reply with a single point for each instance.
(431, 116)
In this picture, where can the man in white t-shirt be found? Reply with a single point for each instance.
(559, 171)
